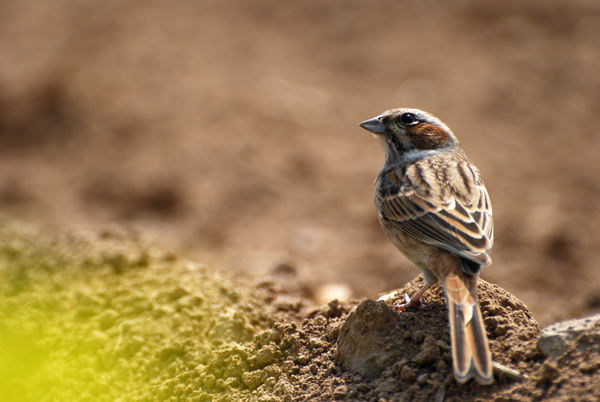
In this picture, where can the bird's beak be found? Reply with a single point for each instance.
(374, 125)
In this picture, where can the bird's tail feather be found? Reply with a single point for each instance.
(471, 354)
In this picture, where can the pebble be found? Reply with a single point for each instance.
(557, 338)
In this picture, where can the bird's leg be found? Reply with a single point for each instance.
(415, 301)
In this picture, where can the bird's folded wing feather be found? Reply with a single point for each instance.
(460, 221)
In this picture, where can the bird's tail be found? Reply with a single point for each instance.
(471, 356)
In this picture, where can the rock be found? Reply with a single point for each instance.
(557, 338)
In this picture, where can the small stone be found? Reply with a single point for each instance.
(232, 382)
(333, 331)
(501, 330)
(340, 392)
(270, 382)
(549, 371)
(537, 394)
(252, 379)
(266, 355)
(302, 359)
(272, 371)
(589, 368)
(430, 352)
(517, 355)
(408, 374)
(436, 378)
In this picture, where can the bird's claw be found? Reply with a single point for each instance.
(415, 302)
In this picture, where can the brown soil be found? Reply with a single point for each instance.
(111, 320)
(377, 354)
(227, 131)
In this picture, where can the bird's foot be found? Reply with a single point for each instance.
(413, 302)
(410, 303)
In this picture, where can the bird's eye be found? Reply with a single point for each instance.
(408, 119)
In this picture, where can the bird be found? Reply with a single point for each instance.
(435, 209)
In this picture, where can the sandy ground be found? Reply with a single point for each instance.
(107, 319)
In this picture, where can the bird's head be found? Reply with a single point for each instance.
(408, 135)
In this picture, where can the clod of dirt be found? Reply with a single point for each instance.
(374, 354)
(365, 339)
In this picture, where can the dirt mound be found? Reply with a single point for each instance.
(112, 320)
(405, 356)
(375, 352)
(411, 349)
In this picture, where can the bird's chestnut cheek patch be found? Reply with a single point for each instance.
(427, 136)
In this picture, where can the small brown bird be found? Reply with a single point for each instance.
(435, 209)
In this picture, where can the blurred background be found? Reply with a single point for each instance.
(227, 130)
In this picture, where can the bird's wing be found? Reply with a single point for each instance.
(454, 214)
